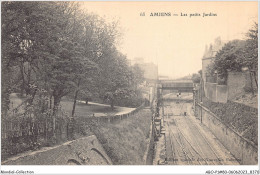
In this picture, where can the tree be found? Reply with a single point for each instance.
(113, 72)
(196, 77)
(251, 52)
(229, 58)
(137, 76)
(237, 54)
(56, 47)
(20, 36)
(82, 79)
(114, 77)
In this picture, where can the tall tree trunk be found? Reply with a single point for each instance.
(56, 103)
(251, 80)
(33, 93)
(74, 103)
(23, 80)
(50, 101)
(255, 79)
(75, 98)
(112, 104)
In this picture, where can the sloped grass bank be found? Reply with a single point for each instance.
(126, 142)
(242, 118)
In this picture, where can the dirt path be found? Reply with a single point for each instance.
(94, 108)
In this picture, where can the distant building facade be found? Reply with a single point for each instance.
(209, 56)
(150, 69)
(150, 75)
(213, 91)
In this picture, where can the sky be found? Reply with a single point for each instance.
(175, 43)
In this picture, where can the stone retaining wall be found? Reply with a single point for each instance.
(83, 151)
(245, 151)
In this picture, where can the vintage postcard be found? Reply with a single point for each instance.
(170, 84)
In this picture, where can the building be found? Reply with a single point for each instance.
(237, 83)
(209, 56)
(150, 76)
(213, 91)
(150, 69)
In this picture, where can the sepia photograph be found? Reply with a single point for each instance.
(169, 83)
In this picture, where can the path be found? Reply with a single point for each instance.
(118, 110)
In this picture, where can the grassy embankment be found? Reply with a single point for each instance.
(242, 118)
(125, 142)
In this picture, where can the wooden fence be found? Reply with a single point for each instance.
(26, 133)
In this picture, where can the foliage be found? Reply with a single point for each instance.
(236, 55)
(252, 47)
(117, 81)
(196, 77)
(251, 53)
(229, 58)
(51, 50)
(59, 48)
(236, 115)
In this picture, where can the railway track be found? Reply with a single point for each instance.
(171, 145)
(192, 147)
(192, 151)
(195, 151)
(181, 152)
(205, 139)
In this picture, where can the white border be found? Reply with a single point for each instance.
(151, 169)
